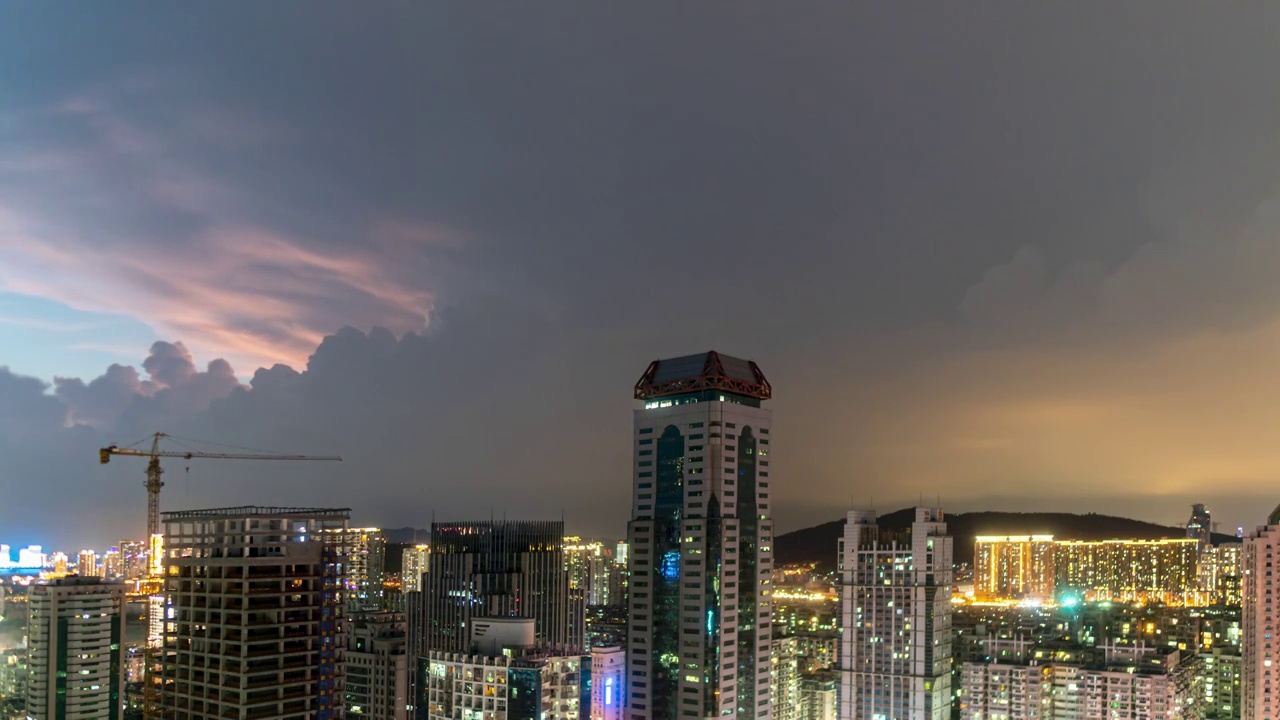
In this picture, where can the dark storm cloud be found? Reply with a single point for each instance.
(997, 252)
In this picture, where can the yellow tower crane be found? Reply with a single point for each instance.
(155, 538)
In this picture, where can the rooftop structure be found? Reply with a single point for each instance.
(707, 371)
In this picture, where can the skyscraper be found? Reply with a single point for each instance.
(1200, 527)
(252, 625)
(608, 673)
(492, 569)
(133, 557)
(1259, 646)
(895, 659)
(414, 562)
(76, 650)
(365, 550)
(377, 678)
(88, 564)
(700, 542)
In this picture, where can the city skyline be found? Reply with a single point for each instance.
(977, 260)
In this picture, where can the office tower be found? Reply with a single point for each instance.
(112, 566)
(608, 678)
(1200, 527)
(1260, 672)
(59, 563)
(492, 569)
(818, 695)
(700, 542)
(1013, 567)
(253, 615)
(365, 550)
(784, 678)
(895, 659)
(414, 562)
(377, 681)
(506, 675)
(88, 564)
(133, 559)
(76, 650)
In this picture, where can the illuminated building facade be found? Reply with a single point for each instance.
(29, 558)
(1039, 567)
(365, 550)
(588, 568)
(818, 696)
(87, 566)
(506, 675)
(895, 659)
(1221, 571)
(59, 560)
(1130, 570)
(784, 678)
(1220, 682)
(1013, 567)
(133, 559)
(253, 621)
(700, 542)
(413, 563)
(1260, 647)
(75, 663)
(1151, 686)
(608, 681)
(112, 567)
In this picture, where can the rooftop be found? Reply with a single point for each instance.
(258, 511)
(704, 371)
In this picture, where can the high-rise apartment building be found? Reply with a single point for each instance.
(253, 615)
(87, 565)
(505, 675)
(365, 550)
(784, 678)
(1130, 683)
(588, 567)
(1013, 567)
(112, 565)
(75, 664)
(133, 559)
(1220, 573)
(818, 695)
(1260, 632)
(700, 542)
(415, 561)
(895, 659)
(1038, 566)
(608, 680)
(377, 676)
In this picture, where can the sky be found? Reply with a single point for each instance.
(1015, 256)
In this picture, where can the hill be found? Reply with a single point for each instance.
(818, 544)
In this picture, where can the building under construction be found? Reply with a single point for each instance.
(254, 601)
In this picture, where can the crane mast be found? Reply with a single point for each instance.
(155, 539)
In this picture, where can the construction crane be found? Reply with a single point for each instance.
(154, 538)
(154, 483)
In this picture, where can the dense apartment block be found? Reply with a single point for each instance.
(1014, 566)
(1040, 567)
(784, 678)
(700, 542)
(75, 659)
(365, 550)
(254, 604)
(895, 659)
(505, 674)
(1260, 631)
(1131, 683)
